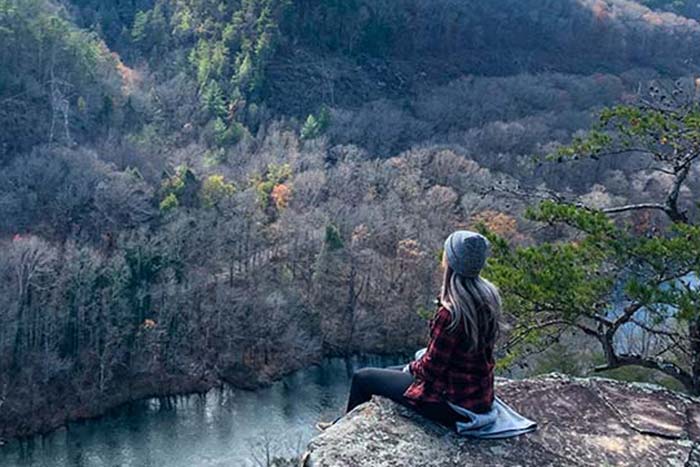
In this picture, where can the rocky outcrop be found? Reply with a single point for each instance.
(582, 422)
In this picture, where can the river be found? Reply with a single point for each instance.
(224, 427)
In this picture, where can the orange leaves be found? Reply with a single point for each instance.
(360, 234)
(281, 193)
(409, 250)
(130, 77)
(500, 223)
(273, 187)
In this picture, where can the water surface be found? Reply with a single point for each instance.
(224, 427)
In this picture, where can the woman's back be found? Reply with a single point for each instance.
(451, 372)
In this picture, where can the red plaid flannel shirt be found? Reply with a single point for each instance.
(448, 372)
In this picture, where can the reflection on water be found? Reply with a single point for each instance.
(225, 427)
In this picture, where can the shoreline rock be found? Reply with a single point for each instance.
(581, 422)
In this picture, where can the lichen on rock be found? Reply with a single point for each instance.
(582, 422)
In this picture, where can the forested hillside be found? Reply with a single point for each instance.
(197, 191)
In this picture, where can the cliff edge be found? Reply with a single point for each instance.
(589, 422)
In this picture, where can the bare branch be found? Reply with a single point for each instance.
(625, 317)
(523, 333)
(673, 337)
(662, 170)
(538, 193)
(634, 207)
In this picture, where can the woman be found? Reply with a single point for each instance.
(457, 366)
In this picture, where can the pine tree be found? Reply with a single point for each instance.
(610, 278)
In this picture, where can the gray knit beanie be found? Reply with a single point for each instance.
(466, 252)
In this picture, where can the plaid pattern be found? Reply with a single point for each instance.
(448, 372)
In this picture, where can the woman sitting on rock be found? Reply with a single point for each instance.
(457, 367)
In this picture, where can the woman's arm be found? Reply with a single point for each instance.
(434, 362)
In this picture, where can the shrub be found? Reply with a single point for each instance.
(169, 203)
(215, 189)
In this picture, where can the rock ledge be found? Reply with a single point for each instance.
(581, 421)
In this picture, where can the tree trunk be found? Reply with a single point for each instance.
(694, 337)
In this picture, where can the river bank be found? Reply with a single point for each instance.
(61, 408)
(222, 426)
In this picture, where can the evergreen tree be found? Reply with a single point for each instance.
(610, 278)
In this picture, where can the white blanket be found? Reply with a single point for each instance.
(501, 422)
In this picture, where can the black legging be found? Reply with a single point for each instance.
(392, 383)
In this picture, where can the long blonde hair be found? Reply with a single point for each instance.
(476, 302)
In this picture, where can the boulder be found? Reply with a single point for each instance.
(581, 422)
